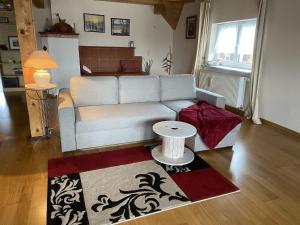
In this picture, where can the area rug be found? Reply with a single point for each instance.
(111, 187)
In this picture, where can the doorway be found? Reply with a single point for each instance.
(10, 63)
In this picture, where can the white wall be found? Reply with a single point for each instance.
(221, 11)
(230, 10)
(152, 35)
(40, 16)
(280, 97)
(184, 50)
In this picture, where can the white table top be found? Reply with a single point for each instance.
(35, 87)
(175, 129)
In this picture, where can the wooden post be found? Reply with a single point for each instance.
(27, 41)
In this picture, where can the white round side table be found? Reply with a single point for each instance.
(172, 151)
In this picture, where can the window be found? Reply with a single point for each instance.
(231, 44)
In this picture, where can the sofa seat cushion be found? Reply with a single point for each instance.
(107, 117)
(178, 105)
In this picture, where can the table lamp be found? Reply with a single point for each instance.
(40, 60)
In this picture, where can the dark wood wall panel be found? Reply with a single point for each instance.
(106, 60)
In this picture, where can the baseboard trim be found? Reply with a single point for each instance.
(280, 128)
(234, 110)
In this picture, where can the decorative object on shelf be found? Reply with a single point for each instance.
(61, 26)
(74, 27)
(94, 23)
(13, 42)
(131, 44)
(4, 19)
(167, 62)
(147, 65)
(6, 5)
(190, 32)
(3, 47)
(17, 70)
(40, 60)
(11, 61)
(120, 27)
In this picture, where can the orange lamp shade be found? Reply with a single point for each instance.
(40, 60)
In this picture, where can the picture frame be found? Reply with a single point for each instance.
(6, 5)
(94, 23)
(191, 27)
(13, 43)
(120, 27)
(4, 19)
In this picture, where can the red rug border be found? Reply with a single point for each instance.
(215, 183)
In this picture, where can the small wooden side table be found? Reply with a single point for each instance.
(42, 96)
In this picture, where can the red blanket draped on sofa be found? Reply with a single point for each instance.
(212, 123)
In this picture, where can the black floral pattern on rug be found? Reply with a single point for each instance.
(149, 192)
(196, 164)
(65, 201)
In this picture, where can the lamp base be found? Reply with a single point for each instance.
(41, 77)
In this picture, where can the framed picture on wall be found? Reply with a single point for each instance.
(120, 27)
(94, 23)
(13, 43)
(191, 27)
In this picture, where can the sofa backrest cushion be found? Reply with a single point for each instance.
(175, 87)
(87, 91)
(139, 89)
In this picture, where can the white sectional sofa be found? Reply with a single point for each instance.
(100, 111)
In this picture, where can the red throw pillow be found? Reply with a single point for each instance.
(129, 65)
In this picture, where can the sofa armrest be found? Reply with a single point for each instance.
(66, 117)
(210, 97)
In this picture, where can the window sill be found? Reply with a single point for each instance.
(228, 70)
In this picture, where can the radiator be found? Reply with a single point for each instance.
(232, 86)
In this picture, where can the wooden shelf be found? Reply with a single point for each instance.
(13, 89)
(59, 35)
(8, 24)
(12, 75)
(10, 63)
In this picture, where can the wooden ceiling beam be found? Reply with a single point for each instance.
(172, 12)
(159, 9)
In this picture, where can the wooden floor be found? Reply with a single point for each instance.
(264, 164)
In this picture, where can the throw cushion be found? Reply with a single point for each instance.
(87, 91)
(130, 66)
(139, 89)
(176, 87)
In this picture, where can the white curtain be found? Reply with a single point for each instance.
(253, 108)
(203, 30)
